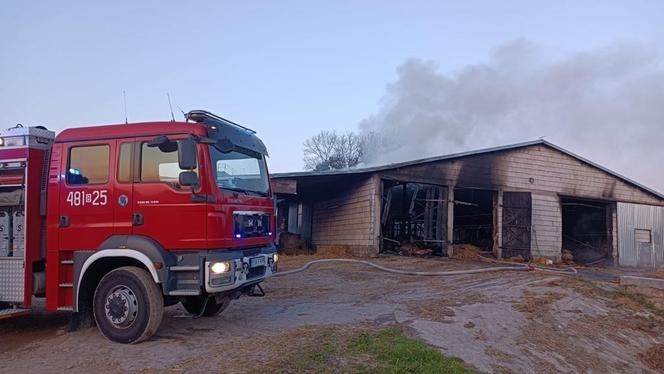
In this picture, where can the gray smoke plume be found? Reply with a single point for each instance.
(606, 105)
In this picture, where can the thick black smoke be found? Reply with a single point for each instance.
(605, 104)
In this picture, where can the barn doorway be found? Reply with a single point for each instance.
(586, 231)
(473, 218)
(414, 218)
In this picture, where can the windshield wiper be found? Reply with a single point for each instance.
(246, 192)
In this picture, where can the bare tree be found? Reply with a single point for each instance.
(330, 150)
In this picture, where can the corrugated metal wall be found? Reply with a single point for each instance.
(635, 250)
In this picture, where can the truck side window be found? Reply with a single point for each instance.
(124, 163)
(88, 165)
(159, 166)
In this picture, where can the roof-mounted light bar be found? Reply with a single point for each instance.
(19, 136)
(201, 115)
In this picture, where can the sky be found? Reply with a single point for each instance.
(291, 69)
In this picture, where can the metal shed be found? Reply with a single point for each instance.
(640, 235)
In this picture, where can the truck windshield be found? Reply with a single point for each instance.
(240, 170)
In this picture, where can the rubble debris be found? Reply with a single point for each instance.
(567, 256)
(544, 261)
(413, 250)
(466, 252)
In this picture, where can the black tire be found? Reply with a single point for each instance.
(194, 304)
(128, 305)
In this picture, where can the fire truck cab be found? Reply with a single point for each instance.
(115, 222)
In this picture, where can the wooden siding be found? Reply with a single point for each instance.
(347, 219)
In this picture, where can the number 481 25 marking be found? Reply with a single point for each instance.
(83, 198)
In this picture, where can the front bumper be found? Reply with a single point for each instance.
(246, 269)
(192, 274)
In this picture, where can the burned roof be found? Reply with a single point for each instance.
(371, 169)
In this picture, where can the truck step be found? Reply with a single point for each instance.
(13, 312)
(66, 285)
(67, 262)
(184, 268)
(184, 293)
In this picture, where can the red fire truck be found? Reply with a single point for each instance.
(113, 223)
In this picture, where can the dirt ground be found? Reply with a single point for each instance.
(495, 322)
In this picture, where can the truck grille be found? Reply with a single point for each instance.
(256, 272)
(251, 224)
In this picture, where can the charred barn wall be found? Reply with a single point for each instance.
(546, 173)
(346, 212)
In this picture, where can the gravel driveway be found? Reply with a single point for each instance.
(508, 321)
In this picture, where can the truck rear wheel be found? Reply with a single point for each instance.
(194, 305)
(128, 305)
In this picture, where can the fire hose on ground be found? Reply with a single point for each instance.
(511, 267)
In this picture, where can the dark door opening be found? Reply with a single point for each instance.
(414, 217)
(517, 225)
(586, 231)
(473, 218)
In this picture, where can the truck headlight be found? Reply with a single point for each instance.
(276, 257)
(220, 267)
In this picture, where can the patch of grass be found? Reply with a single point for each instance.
(359, 349)
(394, 352)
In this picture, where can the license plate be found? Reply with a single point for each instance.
(257, 261)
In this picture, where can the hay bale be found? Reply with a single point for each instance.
(292, 244)
(466, 252)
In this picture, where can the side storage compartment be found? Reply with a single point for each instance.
(12, 239)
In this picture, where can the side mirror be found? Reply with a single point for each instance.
(187, 154)
(188, 178)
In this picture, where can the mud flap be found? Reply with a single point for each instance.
(79, 320)
(256, 291)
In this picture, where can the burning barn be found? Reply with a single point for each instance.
(530, 200)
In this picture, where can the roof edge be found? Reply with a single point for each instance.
(508, 147)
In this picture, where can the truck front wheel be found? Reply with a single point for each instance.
(128, 305)
(194, 305)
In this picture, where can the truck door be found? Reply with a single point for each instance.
(162, 209)
(123, 187)
(86, 196)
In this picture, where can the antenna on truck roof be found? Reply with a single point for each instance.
(124, 99)
(170, 106)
